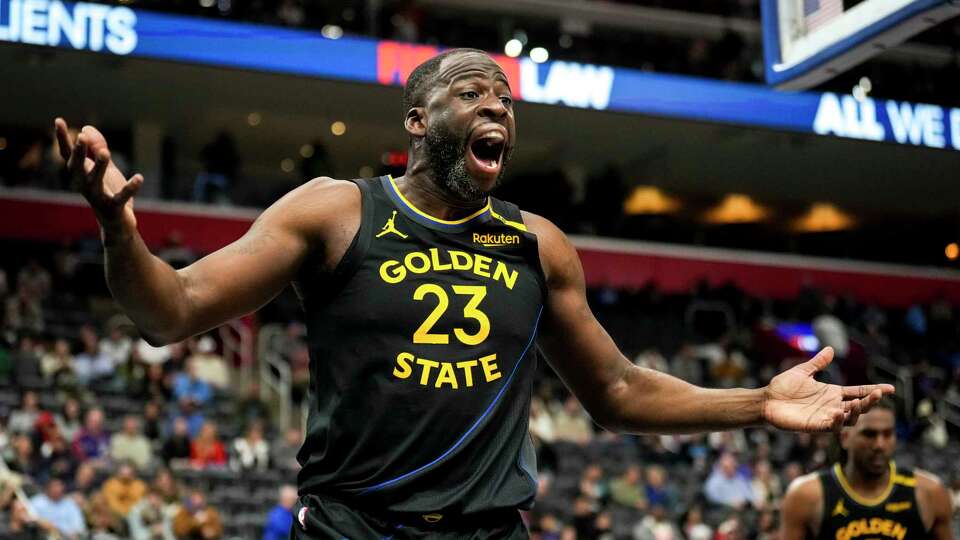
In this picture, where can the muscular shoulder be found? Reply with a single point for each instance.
(561, 265)
(317, 204)
(805, 497)
(931, 492)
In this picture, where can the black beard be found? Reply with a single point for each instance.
(447, 156)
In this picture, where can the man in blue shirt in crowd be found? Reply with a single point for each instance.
(280, 517)
(62, 511)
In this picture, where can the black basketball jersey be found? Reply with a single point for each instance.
(893, 514)
(422, 359)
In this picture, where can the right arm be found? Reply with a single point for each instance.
(802, 508)
(169, 305)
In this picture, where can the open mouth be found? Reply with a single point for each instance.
(487, 151)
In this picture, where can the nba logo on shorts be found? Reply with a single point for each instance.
(302, 517)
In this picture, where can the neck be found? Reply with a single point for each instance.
(421, 186)
(864, 482)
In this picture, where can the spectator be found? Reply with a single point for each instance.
(766, 486)
(123, 490)
(627, 491)
(131, 445)
(24, 460)
(57, 363)
(69, 420)
(152, 421)
(251, 451)
(56, 455)
(177, 447)
(251, 408)
(148, 519)
(571, 423)
(24, 312)
(23, 526)
(725, 487)
(92, 442)
(694, 527)
(63, 512)
(23, 419)
(656, 526)
(34, 277)
(156, 384)
(658, 489)
(169, 491)
(651, 359)
(85, 484)
(188, 387)
(196, 520)
(105, 524)
(541, 423)
(26, 362)
(188, 411)
(207, 449)
(116, 346)
(285, 452)
(280, 518)
(92, 366)
(593, 486)
(208, 365)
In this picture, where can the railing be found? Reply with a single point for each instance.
(883, 370)
(275, 377)
(951, 410)
(237, 342)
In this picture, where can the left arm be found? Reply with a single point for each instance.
(624, 397)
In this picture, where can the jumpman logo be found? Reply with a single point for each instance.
(389, 227)
(839, 510)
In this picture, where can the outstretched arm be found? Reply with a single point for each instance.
(624, 397)
(169, 305)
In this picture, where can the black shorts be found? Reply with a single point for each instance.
(322, 519)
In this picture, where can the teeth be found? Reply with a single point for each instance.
(492, 137)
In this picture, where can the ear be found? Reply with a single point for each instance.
(414, 122)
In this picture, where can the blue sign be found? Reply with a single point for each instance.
(124, 31)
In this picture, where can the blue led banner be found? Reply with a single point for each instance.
(124, 31)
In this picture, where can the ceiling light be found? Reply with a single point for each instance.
(539, 55)
(306, 151)
(952, 251)
(331, 31)
(253, 119)
(513, 48)
(338, 128)
(286, 165)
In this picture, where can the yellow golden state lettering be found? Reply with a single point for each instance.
(441, 374)
(402, 369)
(392, 272)
(875, 526)
(417, 262)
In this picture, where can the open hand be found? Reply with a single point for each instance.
(795, 401)
(96, 177)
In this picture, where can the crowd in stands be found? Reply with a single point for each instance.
(103, 436)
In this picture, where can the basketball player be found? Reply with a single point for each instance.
(424, 297)
(867, 495)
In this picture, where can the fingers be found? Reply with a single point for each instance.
(99, 169)
(63, 138)
(129, 189)
(75, 162)
(854, 408)
(864, 390)
(818, 362)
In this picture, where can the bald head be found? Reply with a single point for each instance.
(424, 77)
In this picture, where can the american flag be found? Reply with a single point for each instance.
(817, 13)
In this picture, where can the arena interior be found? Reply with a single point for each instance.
(727, 230)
